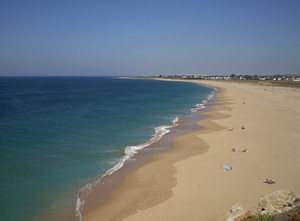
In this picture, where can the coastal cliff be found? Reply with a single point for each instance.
(280, 205)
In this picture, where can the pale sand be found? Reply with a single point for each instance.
(185, 184)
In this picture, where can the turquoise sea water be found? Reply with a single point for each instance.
(60, 133)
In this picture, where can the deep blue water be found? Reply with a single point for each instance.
(59, 133)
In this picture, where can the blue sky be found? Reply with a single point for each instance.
(91, 38)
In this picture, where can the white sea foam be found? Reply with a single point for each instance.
(211, 96)
(84, 192)
(130, 160)
(159, 133)
(78, 208)
(198, 107)
(175, 121)
(202, 105)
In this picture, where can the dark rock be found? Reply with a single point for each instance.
(291, 215)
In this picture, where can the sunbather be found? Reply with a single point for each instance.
(268, 181)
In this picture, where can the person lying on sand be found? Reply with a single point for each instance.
(243, 128)
(244, 151)
(268, 181)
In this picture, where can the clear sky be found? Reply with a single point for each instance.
(149, 37)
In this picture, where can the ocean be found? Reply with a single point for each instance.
(58, 135)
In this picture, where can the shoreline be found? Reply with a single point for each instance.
(193, 187)
(101, 190)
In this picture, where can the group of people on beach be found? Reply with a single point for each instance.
(242, 127)
(228, 167)
(242, 151)
(233, 149)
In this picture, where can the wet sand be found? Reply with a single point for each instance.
(101, 191)
(187, 183)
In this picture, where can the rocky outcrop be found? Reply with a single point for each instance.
(237, 213)
(279, 201)
(283, 202)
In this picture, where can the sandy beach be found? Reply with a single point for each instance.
(187, 182)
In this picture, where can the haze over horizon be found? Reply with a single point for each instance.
(126, 38)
